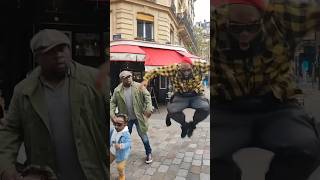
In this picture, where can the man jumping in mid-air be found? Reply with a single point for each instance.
(186, 78)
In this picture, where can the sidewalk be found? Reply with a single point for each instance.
(173, 157)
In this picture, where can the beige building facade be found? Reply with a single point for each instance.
(160, 21)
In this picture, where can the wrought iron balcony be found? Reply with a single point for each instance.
(185, 20)
(173, 8)
(144, 39)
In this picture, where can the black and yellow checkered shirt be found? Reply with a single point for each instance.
(270, 68)
(180, 85)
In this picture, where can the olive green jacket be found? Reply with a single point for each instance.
(141, 103)
(28, 122)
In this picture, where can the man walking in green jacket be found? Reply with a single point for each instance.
(137, 104)
(59, 115)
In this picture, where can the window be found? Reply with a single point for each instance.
(145, 26)
(163, 82)
(171, 36)
(145, 30)
(87, 44)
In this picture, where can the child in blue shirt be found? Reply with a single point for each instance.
(120, 144)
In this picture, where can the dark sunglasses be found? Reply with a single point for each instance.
(239, 28)
(126, 77)
(118, 124)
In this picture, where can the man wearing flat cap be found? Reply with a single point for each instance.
(137, 104)
(253, 90)
(58, 114)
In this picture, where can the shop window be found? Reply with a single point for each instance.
(87, 44)
(163, 82)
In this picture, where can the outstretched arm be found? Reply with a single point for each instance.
(113, 106)
(295, 19)
(126, 142)
(203, 66)
(161, 71)
(148, 108)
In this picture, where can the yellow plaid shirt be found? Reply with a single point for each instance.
(270, 69)
(179, 84)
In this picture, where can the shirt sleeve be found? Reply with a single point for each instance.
(147, 99)
(161, 71)
(126, 142)
(296, 19)
(11, 133)
(203, 66)
(113, 105)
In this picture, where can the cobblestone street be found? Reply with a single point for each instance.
(173, 157)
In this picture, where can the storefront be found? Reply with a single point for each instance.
(141, 56)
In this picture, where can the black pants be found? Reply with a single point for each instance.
(283, 128)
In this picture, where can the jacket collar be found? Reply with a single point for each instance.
(33, 81)
(134, 89)
(37, 97)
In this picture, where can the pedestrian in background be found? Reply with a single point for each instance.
(305, 70)
(137, 104)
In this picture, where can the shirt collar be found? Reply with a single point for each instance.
(45, 83)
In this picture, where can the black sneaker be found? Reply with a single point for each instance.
(190, 129)
(184, 130)
(168, 121)
(149, 159)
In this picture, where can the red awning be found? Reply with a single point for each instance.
(150, 56)
(126, 49)
(127, 53)
(161, 57)
(188, 55)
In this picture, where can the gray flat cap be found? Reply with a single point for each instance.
(46, 39)
(125, 74)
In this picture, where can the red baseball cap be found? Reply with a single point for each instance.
(260, 4)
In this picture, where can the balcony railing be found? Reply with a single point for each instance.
(144, 39)
(184, 19)
(173, 7)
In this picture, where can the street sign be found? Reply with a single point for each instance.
(116, 37)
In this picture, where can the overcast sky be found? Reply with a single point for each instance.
(202, 10)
